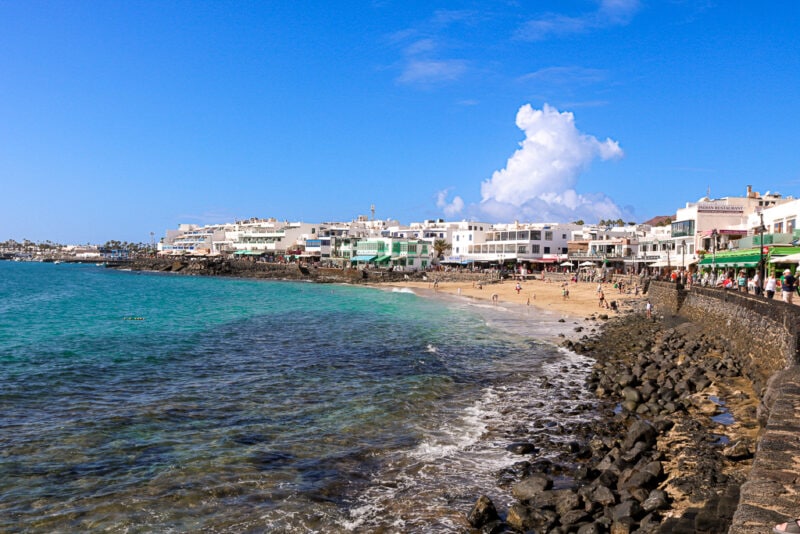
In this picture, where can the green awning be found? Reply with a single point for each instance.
(361, 258)
(248, 252)
(382, 259)
(747, 259)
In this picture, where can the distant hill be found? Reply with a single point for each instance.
(660, 220)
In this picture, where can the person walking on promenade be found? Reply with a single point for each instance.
(787, 286)
(741, 281)
(757, 284)
(770, 285)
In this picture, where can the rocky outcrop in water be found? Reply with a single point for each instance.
(668, 453)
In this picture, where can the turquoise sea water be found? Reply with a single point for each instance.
(137, 402)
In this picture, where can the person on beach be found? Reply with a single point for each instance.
(495, 298)
(518, 288)
(649, 309)
(602, 299)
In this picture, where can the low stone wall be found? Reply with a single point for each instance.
(765, 332)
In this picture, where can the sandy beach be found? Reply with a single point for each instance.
(581, 301)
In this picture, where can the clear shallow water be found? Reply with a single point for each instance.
(237, 405)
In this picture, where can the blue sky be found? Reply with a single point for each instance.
(122, 118)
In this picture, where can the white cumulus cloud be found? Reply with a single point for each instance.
(538, 180)
(451, 208)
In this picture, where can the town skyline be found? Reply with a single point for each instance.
(117, 120)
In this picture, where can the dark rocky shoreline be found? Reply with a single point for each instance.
(672, 444)
(243, 268)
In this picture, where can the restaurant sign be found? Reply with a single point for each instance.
(710, 207)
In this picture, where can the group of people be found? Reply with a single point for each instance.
(787, 284)
(602, 302)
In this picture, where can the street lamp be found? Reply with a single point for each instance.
(683, 256)
(669, 253)
(658, 243)
(761, 250)
(714, 252)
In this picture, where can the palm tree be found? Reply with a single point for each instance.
(440, 247)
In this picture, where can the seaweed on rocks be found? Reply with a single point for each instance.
(654, 460)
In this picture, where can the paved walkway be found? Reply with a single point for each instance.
(771, 494)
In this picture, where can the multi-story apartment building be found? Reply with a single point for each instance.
(612, 247)
(519, 243)
(194, 239)
(393, 252)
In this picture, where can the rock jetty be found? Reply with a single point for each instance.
(671, 446)
(244, 268)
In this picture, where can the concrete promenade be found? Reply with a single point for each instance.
(771, 494)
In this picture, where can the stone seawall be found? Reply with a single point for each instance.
(765, 334)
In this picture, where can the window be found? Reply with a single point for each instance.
(547, 250)
(522, 249)
(536, 235)
(683, 228)
(791, 224)
(535, 249)
(548, 236)
(523, 236)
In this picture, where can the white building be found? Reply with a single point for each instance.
(192, 239)
(519, 243)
